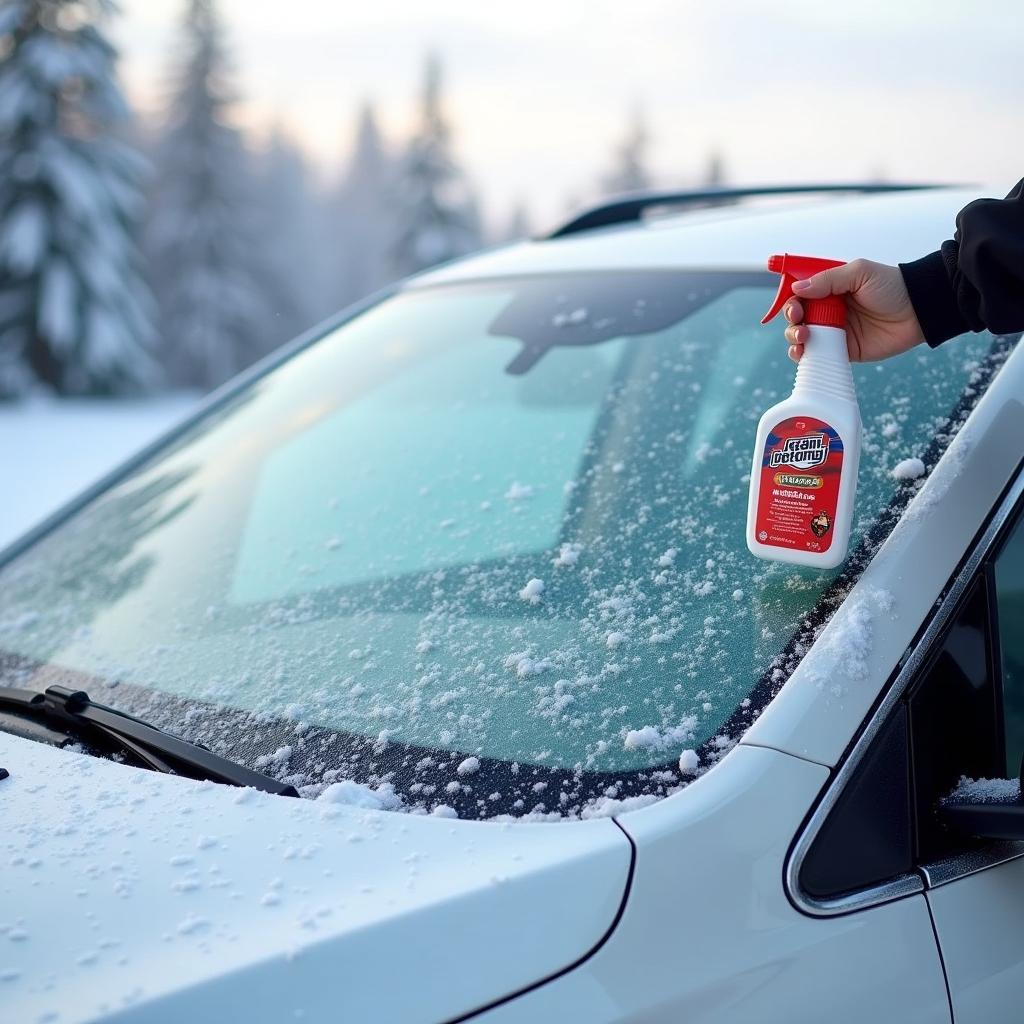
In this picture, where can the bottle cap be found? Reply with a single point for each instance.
(827, 312)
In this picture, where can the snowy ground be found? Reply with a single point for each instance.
(50, 450)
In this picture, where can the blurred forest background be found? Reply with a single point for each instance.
(144, 254)
(243, 169)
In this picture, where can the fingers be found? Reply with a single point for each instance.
(835, 281)
(796, 333)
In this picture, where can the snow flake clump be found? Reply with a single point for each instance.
(652, 738)
(668, 558)
(606, 806)
(848, 642)
(563, 319)
(469, 766)
(525, 666)
(444, 811)
(985, 791)
(280, 756)
(569, 554)
(688, 762)
(518, 491)
(908, 469)
(640, 739)
(532, 591)
(615, 638)
(355, 794)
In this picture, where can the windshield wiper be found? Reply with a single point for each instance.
(68, 709)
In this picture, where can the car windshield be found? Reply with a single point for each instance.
(479, 550)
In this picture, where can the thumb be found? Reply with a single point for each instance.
(834, 281)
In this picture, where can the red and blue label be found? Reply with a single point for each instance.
(801, 467)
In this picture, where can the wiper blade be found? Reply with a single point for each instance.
(159, 750)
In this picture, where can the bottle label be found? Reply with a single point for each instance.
(801, 468)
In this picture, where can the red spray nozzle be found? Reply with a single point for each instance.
(827, 312)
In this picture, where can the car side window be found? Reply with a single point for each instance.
(1009, 593)
(946, 725)
(967, 704)
(962, 714)
(954, 717)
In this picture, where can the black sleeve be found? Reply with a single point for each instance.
(976, 280)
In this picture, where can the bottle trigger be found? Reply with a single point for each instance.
(827, 312)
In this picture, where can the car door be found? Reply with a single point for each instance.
(976, 889)
(955, 708)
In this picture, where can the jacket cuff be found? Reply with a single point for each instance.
(933, 298)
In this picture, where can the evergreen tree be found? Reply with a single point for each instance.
(436, 208)
(715, 177)
(362, 218)
(75, 314)
(518, 227)
(629, 170)
(714, 172)
(287, 226)
(203, 250)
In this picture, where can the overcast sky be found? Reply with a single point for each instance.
(538, 93)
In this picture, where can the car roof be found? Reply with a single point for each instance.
(888, 227)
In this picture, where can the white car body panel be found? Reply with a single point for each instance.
(147, 898)
(708, 934)
(978, 922)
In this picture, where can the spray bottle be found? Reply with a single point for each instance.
(804, 474)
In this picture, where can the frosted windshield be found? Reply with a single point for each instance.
(482, 547)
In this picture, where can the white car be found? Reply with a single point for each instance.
(467, 572)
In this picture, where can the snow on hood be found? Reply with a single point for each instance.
(130, 896)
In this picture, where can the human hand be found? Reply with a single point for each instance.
(880, 320)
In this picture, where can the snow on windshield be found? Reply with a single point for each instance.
(478, 552)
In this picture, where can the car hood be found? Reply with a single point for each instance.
(133, 896)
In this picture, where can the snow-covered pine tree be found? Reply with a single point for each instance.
(518, 227)
(715, 177)
(437, 211)
(288, 223)
(629, 168)
(202, 236)
(361, 218)
(75, 314)
(714, 170)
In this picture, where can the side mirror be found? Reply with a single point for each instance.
(987, 808)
